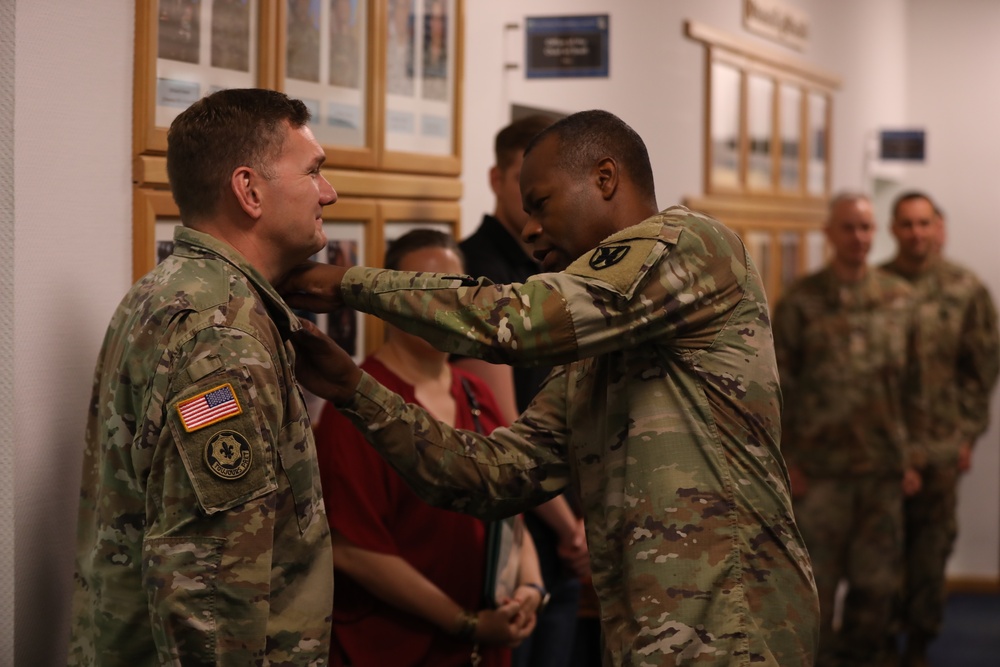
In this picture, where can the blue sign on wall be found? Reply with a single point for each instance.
(563, 46)
(902, 145)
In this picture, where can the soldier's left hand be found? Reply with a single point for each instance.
(912, 482)
(322, 366)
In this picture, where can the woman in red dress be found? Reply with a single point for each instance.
(409, 577)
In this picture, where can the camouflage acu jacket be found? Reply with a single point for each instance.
(202, 536)
(848, 374)
(960, 355)
(665, 418)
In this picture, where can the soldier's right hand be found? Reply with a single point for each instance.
(313, 286)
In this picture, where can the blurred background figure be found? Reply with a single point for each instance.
(410, 577)
(844, 342)
(957, 325)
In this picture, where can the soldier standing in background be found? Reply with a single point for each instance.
(665, 417)
(844, 343)
(202, 536)
(960, 362)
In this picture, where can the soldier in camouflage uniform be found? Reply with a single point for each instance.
(958, 324)
(202, 536)
(664, 417)
(844, 342)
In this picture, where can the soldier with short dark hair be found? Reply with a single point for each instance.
(664, 415)
(202, 537)
(958, 324)
(845, 345)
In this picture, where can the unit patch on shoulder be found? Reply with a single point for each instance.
(607, 256)
(228, 455)
(209, 407)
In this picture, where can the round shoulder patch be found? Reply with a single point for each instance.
(228, 455)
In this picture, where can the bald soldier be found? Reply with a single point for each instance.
(663, 415)
(844, 340)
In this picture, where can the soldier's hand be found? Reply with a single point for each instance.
(912, 482)
(964, 457)
(322, 366)
(313, 286)
(798, 481)
(573, 551)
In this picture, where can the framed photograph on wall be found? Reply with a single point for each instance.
(725, 122)
(421, 89)
(154, 217)
(186, 49)
(398, 217)
(326, 51)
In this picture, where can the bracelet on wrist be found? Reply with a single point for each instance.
(467, 623)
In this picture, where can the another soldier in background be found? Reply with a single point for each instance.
(664, 418)
(497, 252)
(844, 340)
(202, 536)
(960, 362)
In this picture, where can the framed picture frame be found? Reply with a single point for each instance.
(421, 86)
(327, 56)
(352, 240)
(154, 217)
(398, 217)
(186, 49)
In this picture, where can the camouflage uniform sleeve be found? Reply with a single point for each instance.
(210, 500)
(508, 471)
(915, 396)
(787, 330)
(644, 283)
(978, 364)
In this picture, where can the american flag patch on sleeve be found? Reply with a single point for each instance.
(209, 407)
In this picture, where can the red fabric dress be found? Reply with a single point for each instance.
(370, 505)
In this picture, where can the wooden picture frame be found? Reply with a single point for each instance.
(185, 49)
(352, 240)
(154, 215)
(328, 55)
(421, 86)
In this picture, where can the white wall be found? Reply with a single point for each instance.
(901, 60)
(7, 328)
(72, 143)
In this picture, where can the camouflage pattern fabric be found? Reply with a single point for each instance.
(961, 358)
(849, 376)
(202, 536)
(665, 419)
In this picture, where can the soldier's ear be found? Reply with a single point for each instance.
(607, 176)
(245, 184)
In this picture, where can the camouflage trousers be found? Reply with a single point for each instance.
(931, 528)
(853, 528)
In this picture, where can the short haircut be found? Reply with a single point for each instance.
(845, 196)
(418, 239)
(513, 139)
(912, 195)
(589, 136)
(218, 134)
